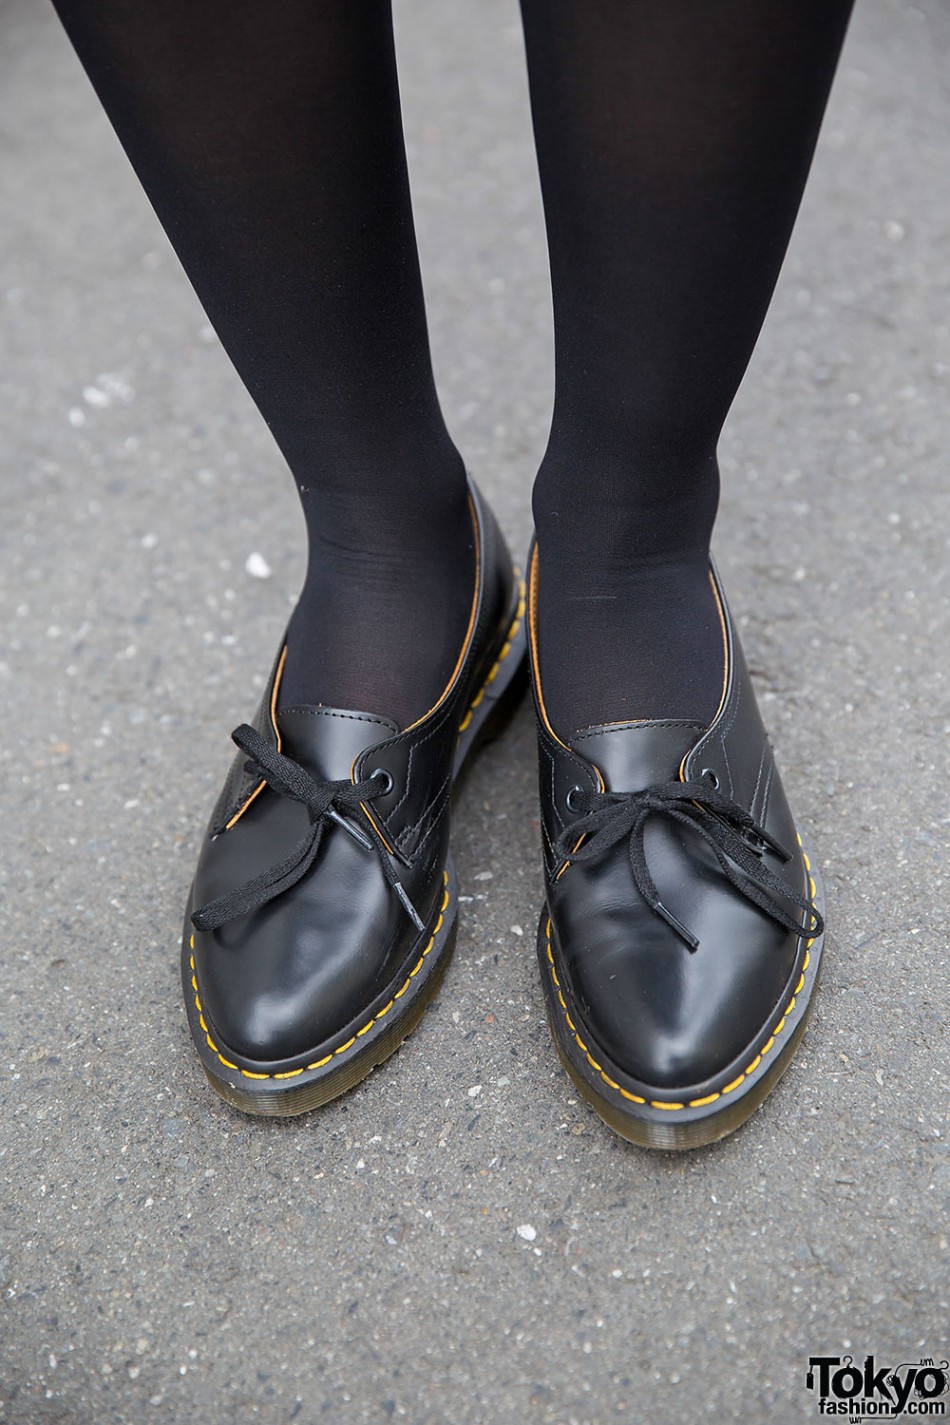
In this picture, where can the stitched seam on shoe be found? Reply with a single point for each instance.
(753, 806)
(552, 859)
(766, 792)
(408, 777)
(749, 1068)
(435, 810)
(434, 731)
(294, 1073)
(496, 666)
(430, 809)
(554, 807)
(635, 725)
(337, 716)
(727, 728)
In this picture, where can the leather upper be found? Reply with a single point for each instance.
(669, 1017)
(305, 969)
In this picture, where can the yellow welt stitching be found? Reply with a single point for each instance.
(191, 946)
(293, 1073)
(710, 1098)
(496, 666)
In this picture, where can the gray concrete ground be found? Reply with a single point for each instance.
(164, 1258)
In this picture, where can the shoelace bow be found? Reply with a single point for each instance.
(325, 801)
(607, 817)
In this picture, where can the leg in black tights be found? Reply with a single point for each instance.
(269, 140)
(674, 138)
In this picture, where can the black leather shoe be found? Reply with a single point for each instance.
(681, 940)
(323, 910)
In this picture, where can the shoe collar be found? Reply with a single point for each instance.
(629, 756)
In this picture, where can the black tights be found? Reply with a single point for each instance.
(674, 137)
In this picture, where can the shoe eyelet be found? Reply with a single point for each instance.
(712, 777)
(388, 782)
(570, 801)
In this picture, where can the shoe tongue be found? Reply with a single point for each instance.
(327, 741)
(635, 755)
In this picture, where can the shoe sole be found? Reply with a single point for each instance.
(337, 1067)
(641, 1118)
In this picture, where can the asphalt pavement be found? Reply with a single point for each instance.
(459, 1239)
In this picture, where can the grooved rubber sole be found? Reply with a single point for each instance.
(337, 1067)
(635, 1116)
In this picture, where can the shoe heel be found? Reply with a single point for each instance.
(501, 709)
(500, 694)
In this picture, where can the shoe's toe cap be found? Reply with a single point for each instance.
(668, 1016)
(293, 975)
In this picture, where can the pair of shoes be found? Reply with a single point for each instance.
(324, 905)
(681, 938)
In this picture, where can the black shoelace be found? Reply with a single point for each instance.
(737, 840)
(325, 801)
